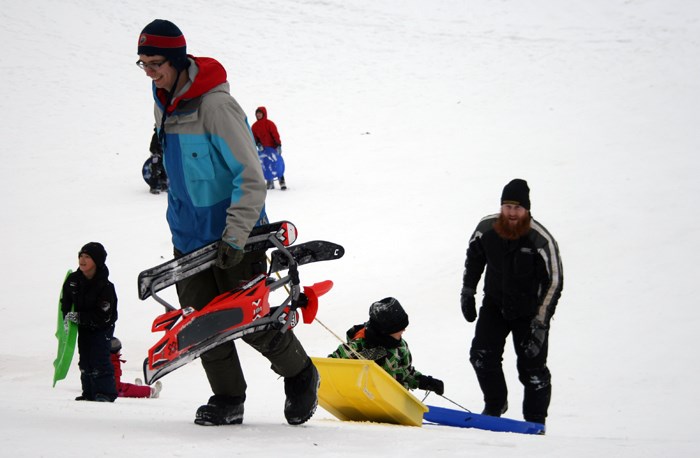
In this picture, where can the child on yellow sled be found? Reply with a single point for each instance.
(379, 339)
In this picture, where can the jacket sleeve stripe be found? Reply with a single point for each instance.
(550, 254)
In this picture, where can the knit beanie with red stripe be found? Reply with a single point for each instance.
(163, 38)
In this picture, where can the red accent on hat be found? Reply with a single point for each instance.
(158, 41)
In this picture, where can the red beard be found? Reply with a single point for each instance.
(509, 230)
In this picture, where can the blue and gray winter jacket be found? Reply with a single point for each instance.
(216, 188)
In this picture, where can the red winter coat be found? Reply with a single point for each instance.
(265, 131)
(127, 390)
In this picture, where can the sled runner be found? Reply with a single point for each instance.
(152, 280)
(360, 390)
(242, 311)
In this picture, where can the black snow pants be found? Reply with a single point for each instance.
(486, 356)
(96, 369)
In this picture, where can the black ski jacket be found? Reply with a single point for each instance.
(524, 277)
(95, 300)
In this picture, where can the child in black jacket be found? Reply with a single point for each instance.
(94, 300)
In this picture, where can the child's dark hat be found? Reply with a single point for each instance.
(96, 251)
(387, 316)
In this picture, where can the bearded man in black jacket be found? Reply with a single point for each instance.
(523, 282)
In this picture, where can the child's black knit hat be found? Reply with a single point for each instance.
(387, 316)
(96, 251)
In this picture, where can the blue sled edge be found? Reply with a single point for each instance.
(462, 419)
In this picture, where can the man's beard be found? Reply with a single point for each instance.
(512, 231)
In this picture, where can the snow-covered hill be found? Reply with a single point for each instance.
(401, 122)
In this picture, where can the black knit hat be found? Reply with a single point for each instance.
(163, 38)
(516, 193)
(387, 316)
(96, 251)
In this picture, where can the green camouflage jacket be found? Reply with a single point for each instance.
(396, 361)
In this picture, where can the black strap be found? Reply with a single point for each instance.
(171, 93)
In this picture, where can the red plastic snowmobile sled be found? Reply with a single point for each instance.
(245, 310)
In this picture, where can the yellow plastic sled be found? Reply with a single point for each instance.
(360, 390)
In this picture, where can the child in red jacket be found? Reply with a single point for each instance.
(267, 139)
(130, 390)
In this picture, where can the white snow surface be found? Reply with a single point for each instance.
(401, 121)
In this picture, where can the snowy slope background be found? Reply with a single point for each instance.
(401, 122)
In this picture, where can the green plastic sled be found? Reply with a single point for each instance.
(66, 335)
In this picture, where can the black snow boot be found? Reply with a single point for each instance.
(495, 411)
(99, 397)
(302, 395)
(221, 410)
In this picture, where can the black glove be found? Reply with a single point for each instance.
(533, 344)
(426, 382)
(227, 256)
(468, 304)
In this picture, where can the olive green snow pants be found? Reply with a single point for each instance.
(221, 364)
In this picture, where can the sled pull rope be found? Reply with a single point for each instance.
(427, 393)
(359, 356)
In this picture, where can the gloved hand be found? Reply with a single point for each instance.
(279, 150)
(426, 382)
(227, 256)
(533, 344)
(259, 146)
(73, 316)
(468, 302)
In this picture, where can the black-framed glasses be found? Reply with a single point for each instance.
(150, 65)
